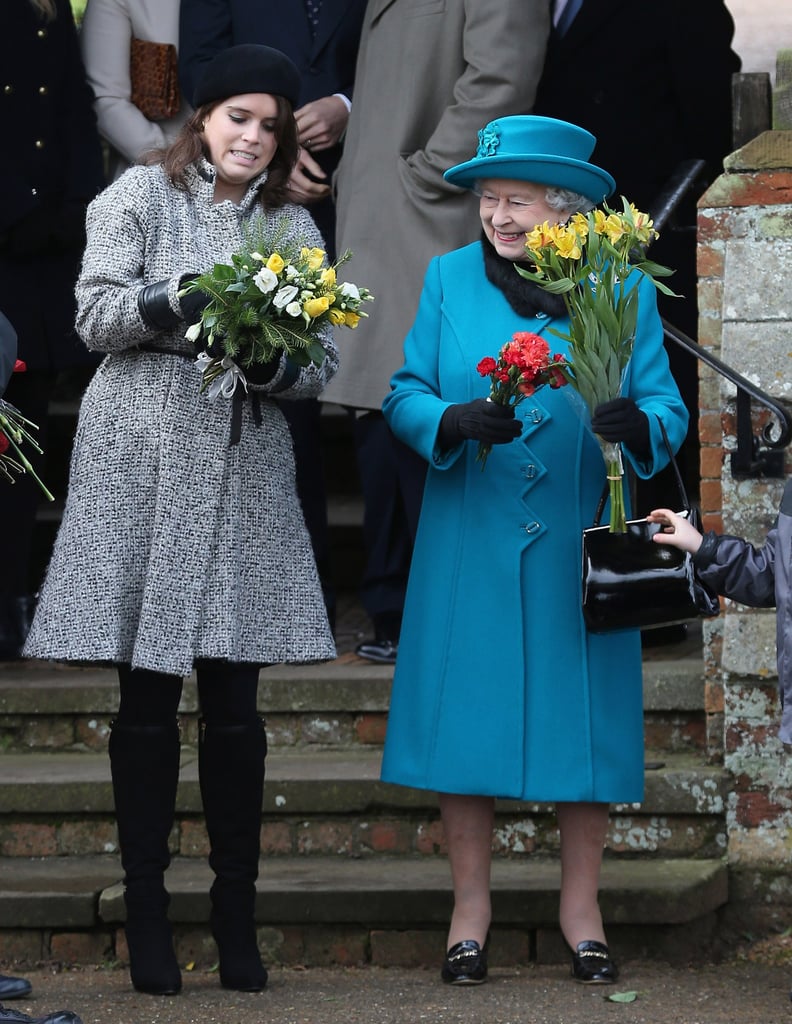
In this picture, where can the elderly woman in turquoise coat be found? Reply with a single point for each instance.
(499, 690)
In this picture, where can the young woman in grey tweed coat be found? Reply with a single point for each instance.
(183, 544)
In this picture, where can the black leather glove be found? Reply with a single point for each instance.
(622, 420)
(156, 309)
(262, 373)
(478, 420)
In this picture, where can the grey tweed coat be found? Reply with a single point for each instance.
(175, 545)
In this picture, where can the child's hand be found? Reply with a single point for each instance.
(676, 530)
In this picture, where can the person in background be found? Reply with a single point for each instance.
(51, 171)
(183, 544)
(754, 576)
(499, 689)
(428, 75)
(106, 33)
(677, 107)
(321, 37)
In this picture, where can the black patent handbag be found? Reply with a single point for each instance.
(629, 582)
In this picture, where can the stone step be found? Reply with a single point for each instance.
(308, 908)
(332, 802)
(44, 706)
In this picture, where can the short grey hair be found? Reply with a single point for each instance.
(566, 199)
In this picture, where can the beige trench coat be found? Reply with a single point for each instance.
(430, 74)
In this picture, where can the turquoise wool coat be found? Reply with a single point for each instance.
(499, 689)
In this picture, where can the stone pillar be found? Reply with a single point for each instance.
(745, 308)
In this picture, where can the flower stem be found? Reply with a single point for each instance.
(614, 469)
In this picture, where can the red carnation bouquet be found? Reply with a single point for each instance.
(524, 365)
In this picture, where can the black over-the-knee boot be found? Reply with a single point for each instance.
(231, 772)
(144, 761)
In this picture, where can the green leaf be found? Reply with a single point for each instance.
(622, 997)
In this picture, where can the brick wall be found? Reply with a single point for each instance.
(745, 310)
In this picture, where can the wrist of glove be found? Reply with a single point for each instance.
(261, 374)
(478, 420)
(155, 308)
(620, 420)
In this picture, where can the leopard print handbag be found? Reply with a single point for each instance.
(154, 74)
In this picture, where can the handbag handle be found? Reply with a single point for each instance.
(672, 462)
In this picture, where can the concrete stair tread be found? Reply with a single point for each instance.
(317, 781)
(79, 892)
(347, 683)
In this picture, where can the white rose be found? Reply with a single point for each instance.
(283, 296)
(265, 280)
(349, 291)
(294, 309)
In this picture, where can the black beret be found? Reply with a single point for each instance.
(247, 68)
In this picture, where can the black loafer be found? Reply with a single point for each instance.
(382, 650)
(592, 965)
(14, 988)
(465, 964)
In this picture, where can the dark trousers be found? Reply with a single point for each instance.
(227, 694)
(392, 478)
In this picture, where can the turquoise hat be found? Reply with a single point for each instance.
(532, 148)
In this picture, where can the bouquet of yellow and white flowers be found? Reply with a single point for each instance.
(589, 261)
(271, 298)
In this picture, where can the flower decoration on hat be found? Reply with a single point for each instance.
(489, 141)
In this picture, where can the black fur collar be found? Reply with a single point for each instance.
(525, 298)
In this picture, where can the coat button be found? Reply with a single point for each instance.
(532, 527)
(39, 143)
(8, 89)
(529, 472)
(42, 33)
(43, 90)
(535, 415)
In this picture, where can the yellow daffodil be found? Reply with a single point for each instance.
(275, 263)
(567, 244)
(351, 320)
(315, 307)
(580, 223)
(540, 237)
(313, 257)
(599, 220)
(328, 277)
(615, 228)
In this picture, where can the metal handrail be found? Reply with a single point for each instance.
(685, 176)
(749, 459)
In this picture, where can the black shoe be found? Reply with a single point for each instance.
(465, 964)
(59, 1017)
(382, 650)
(14, 988)
(592, 965)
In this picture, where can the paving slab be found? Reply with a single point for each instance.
(733, 992)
